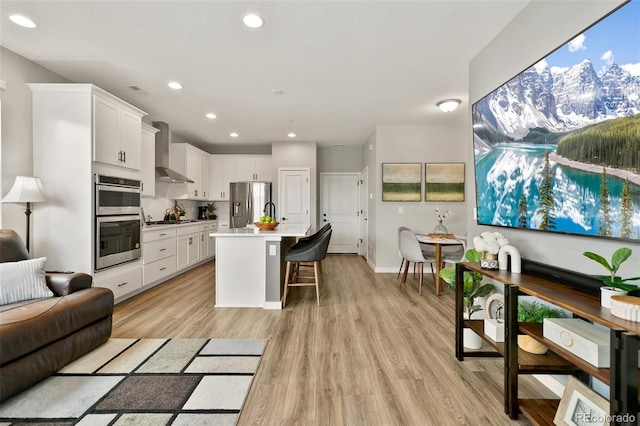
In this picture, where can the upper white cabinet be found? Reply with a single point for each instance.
(236, 168)
(250, 167)
(148, 160)
(117, 137)
(194, 164)
(222, 173)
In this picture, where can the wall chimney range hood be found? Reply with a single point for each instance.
(163, 172)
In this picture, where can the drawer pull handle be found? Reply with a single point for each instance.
(162, 235)
(123, 284)
(163, 268)
(163, 249)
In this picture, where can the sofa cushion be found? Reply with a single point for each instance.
(30, 326)
(23, 280)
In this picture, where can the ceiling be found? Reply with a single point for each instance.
(342, 66)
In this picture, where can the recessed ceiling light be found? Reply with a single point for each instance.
(233, 134)
(292, 135)
(23, 21)
(448, 105)
(211, 115)
(175, 85)
(252, 20)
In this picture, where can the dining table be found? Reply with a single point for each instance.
(437, 241)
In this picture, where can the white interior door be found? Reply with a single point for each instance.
(294, 189)
(364, 213)
(340, 207)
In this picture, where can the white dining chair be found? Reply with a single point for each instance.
(411, 251)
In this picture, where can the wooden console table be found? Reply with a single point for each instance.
(622, 376)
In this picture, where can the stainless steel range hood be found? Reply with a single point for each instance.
(163, 172)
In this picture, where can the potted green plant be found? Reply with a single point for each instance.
(532, 311)
(211, 210)
(473, 289)
(180, 210)
(614, 285)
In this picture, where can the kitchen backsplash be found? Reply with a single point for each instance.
(156, 207)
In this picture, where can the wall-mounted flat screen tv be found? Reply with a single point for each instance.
(557, 148)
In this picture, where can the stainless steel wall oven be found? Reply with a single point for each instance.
(117, 221)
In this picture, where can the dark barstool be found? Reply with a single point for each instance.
(313, 250)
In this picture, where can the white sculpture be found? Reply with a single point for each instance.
(516, 260)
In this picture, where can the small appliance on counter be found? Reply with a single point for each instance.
(202, 213)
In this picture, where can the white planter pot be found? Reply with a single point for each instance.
(606, 293)
(471, 340)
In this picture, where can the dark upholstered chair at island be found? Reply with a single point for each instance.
(40, 335)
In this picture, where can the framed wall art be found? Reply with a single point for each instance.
(581, 405)
(401, 181)
(444, 182)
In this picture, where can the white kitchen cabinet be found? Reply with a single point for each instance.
(250, 168)
(188, 246)
(193, 163)
(122, 280)
(236, 168)
(117, 133)
(148, 160)
(158, 254)
(204, 241)
(222, 173)
(74, 127)
(213, 227)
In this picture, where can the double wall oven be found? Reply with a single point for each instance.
(117, 221)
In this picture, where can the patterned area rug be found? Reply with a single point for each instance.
(144, 382)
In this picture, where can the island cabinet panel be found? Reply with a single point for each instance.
(622, 376)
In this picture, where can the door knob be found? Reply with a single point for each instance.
(284, 218)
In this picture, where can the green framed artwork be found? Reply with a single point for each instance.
(444, 182)
(401, 181)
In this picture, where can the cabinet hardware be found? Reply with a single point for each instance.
(162, 235)
(163, 268)
(195, 192)
(190, 240)
(124, 156)
(163, 249)
(124, 283)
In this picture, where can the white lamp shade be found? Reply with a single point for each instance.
(448, 105)
(25, 189)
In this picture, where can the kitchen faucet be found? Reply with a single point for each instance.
(270, 205)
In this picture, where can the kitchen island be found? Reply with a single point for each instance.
(250, 265)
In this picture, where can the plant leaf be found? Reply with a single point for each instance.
(619, 257)
(601, 260)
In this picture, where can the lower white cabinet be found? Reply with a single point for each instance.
(158, 254)
(121, 280)
(188, 246)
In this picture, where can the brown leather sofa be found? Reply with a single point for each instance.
(40, 336)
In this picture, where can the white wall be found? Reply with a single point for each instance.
(369, 161)
(340, 159)
(539, 29)
(435, 143)
(17, 140)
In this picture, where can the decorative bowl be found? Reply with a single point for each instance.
(266, 226)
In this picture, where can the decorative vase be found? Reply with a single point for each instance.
(531, 345)
(606, 293)
(440, 229)
(489, 260)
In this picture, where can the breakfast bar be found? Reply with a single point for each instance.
(250, 265)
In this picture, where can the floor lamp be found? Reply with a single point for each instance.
(28, 190)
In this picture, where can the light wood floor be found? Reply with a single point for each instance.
(371, 354)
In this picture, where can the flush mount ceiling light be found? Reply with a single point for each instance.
(292, 135)
(252, 20)
(448, 105)
(23, 21)
(211, 115)
(233, 134)
(175, 85)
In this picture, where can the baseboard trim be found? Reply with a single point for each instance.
(272, 305)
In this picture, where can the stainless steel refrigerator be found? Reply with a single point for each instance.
(248, 202)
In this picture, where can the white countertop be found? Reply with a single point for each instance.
(282, 230)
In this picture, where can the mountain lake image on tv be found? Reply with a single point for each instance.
(557, 148)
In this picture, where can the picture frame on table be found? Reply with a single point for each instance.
(581, 405)
(401, 181)
(444, 181)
